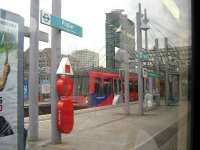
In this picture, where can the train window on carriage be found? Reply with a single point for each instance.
(76, 91)
(98, 88)
(107, 87)
(85, 86)
(135, 86)
(120, 86)
(81, 86)
(115, 86)
(131, 87)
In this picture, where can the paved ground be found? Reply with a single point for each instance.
(109, 129)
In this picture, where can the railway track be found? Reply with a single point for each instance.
(44, 108)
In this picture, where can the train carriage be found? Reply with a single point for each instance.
(95, 88)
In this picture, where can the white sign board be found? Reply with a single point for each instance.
(45, 87)
(65, 67)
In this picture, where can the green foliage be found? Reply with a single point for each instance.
(7, 41)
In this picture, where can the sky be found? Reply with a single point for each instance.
(170, 18)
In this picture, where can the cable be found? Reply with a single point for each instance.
(168, 30)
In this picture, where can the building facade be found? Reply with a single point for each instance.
(43, 64)
(84, 59)
(120, 33)
(43, 72)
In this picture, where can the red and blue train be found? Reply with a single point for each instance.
(99, 88)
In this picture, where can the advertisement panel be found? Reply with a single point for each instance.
(45, 87)
(11, 81)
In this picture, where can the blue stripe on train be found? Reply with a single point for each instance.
(95, 100)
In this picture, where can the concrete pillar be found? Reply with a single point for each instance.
(158, 71)
(126, 81)
(166, 74)
(139, 48)
(33, 70)
(55, 59)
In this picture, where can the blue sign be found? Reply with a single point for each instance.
(56, 22)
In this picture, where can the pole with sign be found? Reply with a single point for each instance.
(58, 25)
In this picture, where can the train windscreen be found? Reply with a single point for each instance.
(81, 86)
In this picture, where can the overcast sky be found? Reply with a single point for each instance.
(169, 18)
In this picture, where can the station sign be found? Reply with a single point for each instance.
(64, 25)
(11, 81)
(153, 74)
(142, 55)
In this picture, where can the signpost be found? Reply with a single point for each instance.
(58, 25)
(56, 22)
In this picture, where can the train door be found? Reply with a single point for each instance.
(81, 90)
(116, 90)
(97, 96)
(135, 90)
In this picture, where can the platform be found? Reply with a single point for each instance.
(109, 128)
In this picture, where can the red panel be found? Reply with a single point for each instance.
(64, 86)
(67, 68)
(103, 75)
(65, 115)
(133, 96)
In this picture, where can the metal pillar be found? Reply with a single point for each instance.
(146, 35)
(139, 48)
(126, 81)
(157, 70)
(33, 71)
(55, 59)
(166, 74)
(146, 40)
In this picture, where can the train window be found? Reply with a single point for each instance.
(98, 87)
(116, 86)
(85, 86)
(120, 86)
(135, 86)
(131, 87)
(107, 87)
(81, 86)
(76, 91)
